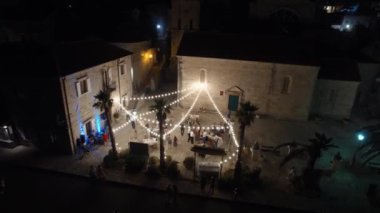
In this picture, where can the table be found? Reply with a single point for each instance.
(209, 167)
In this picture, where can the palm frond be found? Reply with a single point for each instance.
(369, 152)
(246, 113)
(288, 144)
(371, 157)
(358, 150)
(291, 155)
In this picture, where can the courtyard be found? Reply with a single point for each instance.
(345, 184)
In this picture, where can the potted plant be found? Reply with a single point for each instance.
(116, 115)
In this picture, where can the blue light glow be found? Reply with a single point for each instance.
(361, 137)
(81, 129)
(98, 123)
(158, 26)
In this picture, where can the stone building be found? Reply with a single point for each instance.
(277, 75)
(286, 78)
(336, 88)
(143, 59)
(85, 68)
(184, 17)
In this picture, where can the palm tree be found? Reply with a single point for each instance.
(246, 116)
(371, 153)
(104, 102)
(313, 150)
(161, 110)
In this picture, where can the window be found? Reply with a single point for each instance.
(202, 76)
(122, 69)
(83, 86)
(6, 133)
(286, 85)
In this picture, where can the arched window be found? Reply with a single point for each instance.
(202, 78)
(286, 85)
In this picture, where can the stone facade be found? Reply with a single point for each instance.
(142, 63)
(184, 16)
(279, 90)
(79, 109)
(369, 89)
(334, 98)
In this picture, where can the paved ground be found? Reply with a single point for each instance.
(344, 190)
(33, 190)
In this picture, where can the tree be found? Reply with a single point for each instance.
(161, 110)
(246, 115)
(313, 150)
(371, 153)
(104, 102)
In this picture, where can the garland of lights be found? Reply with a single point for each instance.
(187, 114)
(158, 96)
(181, 121)
(170, 104)
(224, 119)
(126, 123)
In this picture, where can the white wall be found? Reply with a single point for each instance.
(334, 98)
(261, 82)
(80, 109)
(141, 65)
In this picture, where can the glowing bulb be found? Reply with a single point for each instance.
(361, 137)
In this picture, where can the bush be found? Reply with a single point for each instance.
(227, 182)
(153, 161)
(153, 172)
(112, 154)
(116, 115)
(168, 160)
(173, 171)
(135, 163)
(189, 163)
(252, 178)
(110, 159)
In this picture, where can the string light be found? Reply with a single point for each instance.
(139, 118)
(160, 95)
(187, 114)
(224, 119)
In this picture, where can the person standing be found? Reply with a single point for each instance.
(105, 138)
(203, 184)
(182, 129)
(175, 141)
(100, 173)
(235, 193)
(170, 142)
(212, 185)
(188, 134)
(175, 193)
(192, 137)
(169, 191)
(336, 160)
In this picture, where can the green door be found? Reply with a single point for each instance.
(233, 102)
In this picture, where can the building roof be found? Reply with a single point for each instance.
(72, 57)
(276, 49)
(343, 69)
